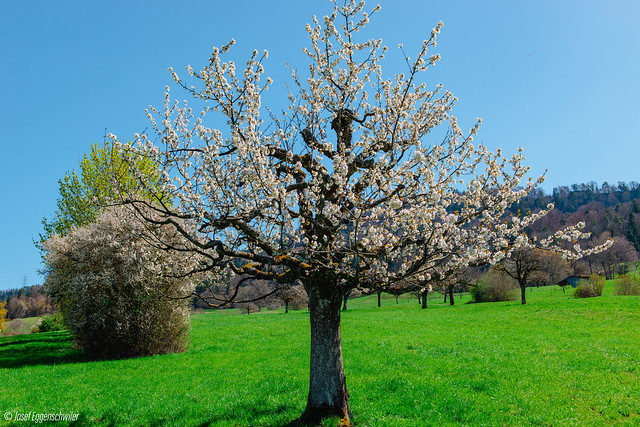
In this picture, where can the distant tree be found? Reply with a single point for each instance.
(249, 307)
(615, 260)
(251, 296)
(102, 172)
(15, 326)
(293, 294)
(457, 281)
(425, 295)
(521, 266)
(29, 301)
(553, 268)
(563, 285)
(633, 231)
(3, 315)
(17, 308)
(398, 290)
(447, 285)
(54, 322)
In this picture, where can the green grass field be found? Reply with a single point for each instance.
(556, 361)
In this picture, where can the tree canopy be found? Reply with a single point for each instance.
(102, 173)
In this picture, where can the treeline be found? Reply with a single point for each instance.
(29, 301)
(571, 198)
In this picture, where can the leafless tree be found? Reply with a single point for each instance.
(523, 265)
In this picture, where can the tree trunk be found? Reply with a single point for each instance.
(451, 295)
(425, 294)
(328, 395)
(344, 302)
(445, 296)
(523, 289)
(379, 293)
(286, 307)
(396, 299)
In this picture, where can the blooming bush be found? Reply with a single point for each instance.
(115, 289)
(591, 287)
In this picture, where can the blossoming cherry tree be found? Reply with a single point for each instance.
(364, 181)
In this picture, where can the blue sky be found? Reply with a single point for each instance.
(558, 78)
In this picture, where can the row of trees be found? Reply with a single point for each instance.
(571, 198)
(253, 295)
(366, 182)
(29, 301)
(526, 267)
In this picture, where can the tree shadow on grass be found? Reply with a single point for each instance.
(240, 414)
(51, 348)
(253, 413)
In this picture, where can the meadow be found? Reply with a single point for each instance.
(556, 361)
(20, 326)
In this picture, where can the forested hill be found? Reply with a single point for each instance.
(607, 210)
(570, 199)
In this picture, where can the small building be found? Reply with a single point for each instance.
(573, 280)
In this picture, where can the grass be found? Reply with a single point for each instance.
(556, 361)
(20, 326)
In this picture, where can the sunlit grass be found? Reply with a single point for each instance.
(556, 361)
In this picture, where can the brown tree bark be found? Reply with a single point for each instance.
(344, 302)
(523, 295)
(425, 294)
(379, 293)
(451, 301)
(328, 395)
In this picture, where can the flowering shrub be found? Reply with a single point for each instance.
(114, 288)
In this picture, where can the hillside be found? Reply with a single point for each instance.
(606, 209)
